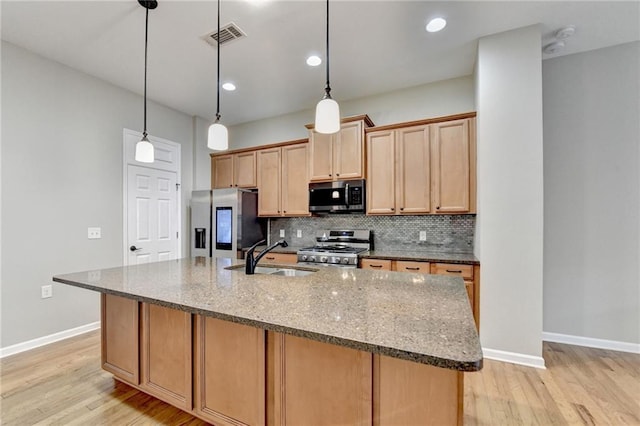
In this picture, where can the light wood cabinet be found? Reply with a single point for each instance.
(376, 264)
(319, 383)
(340, 155)
(165, 355)
(283, 183)
(453, 166)
(397, 383)
(234, 170)
(411, 266)
(471, 276)
(120, 337)
(398, 171)
(279, 258)
(229, 372)
(422, 168)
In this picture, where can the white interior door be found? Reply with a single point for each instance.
(153, 235)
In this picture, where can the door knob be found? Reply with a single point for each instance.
(134, 248)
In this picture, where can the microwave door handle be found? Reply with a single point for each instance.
(346, 194)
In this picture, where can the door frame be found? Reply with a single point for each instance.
(166, 149)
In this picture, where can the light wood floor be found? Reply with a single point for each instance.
(62, 384)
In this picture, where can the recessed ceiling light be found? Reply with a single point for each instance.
(229, 86)
(565, 32)
(436, 24)
(554, 47)
(314, 61)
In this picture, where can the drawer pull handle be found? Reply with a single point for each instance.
(408, 268)
(270, 258)
(454, 271)
(376, 266)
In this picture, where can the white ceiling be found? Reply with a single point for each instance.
(376, 46)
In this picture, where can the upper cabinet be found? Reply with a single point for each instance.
(234, 170)
(422, 168)
(339, 155)
(283, 183)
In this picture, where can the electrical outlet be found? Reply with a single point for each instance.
(282, 233)
(94, 233)
(423, 235)
(299, 233)
(46, 291)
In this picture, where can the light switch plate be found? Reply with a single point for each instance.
(299, 233)
(94, 233)
(282, 233)
(423, 235)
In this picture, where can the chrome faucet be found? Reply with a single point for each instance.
(250, 265)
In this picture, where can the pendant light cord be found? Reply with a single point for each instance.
(327, 88)
(218, 80)
(146, 33)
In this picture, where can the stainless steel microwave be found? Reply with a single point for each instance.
(343, 196)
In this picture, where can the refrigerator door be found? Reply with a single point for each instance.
(201, 223)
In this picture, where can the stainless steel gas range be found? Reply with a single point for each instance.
(337, 248)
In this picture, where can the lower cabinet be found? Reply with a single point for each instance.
(165, 355)
(287, 258)
(376, 264)
(319, 383)
(120, 319)
(229, 372)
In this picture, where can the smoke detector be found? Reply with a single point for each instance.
(228, 33)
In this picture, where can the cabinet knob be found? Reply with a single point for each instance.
(284, 211)
(330, 175)
(438, 208)
(401, 208)
(337, 174)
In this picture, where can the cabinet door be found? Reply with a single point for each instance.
(120, 337)
(376, 264)
(380, 173)
(269, 179)
(229, 372)
(295, 181)
(348, 156)
(320, 156)
(413, 193)
(166, 355)
(451, 166)
(222, 171)
(244, 170)
(320, 384)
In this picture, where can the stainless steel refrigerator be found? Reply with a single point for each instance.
(224, 221)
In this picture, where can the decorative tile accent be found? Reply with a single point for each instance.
(446, 233)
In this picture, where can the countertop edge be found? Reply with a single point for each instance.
(462, 366)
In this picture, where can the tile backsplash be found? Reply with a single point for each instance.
(450, 233)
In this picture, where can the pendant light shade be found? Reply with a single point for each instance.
(144, 148)
(218, 136)
(327, 110)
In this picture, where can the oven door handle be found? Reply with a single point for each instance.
(346, 194)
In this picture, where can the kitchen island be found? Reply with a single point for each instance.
(337, 346)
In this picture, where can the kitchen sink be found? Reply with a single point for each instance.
(276, 270)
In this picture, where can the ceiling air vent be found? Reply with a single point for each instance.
(228, 33)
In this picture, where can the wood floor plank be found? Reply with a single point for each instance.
(63, 384)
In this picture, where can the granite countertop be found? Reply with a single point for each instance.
(424, 256)
(421, 318)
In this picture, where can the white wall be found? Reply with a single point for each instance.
(510, 194)
(201, 154)
(441, 98)
(61, 173)
(592, 203)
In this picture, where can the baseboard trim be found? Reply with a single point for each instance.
(514, 358)
(45, 340)
(590, 342)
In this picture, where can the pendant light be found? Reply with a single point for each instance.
(144, 148)
(218, 137)
(327, 110)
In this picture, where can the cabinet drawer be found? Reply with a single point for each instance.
(279, 258)
(376, 264)
(464, 271)
(412, 266)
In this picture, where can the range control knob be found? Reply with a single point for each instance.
(323, 259)
(345, 260)
(312, 259)
(304, 257)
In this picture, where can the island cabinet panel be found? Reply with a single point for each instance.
(316, 383)
(408, 393)
(120, 334)
(166, 355)
(229, 372)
